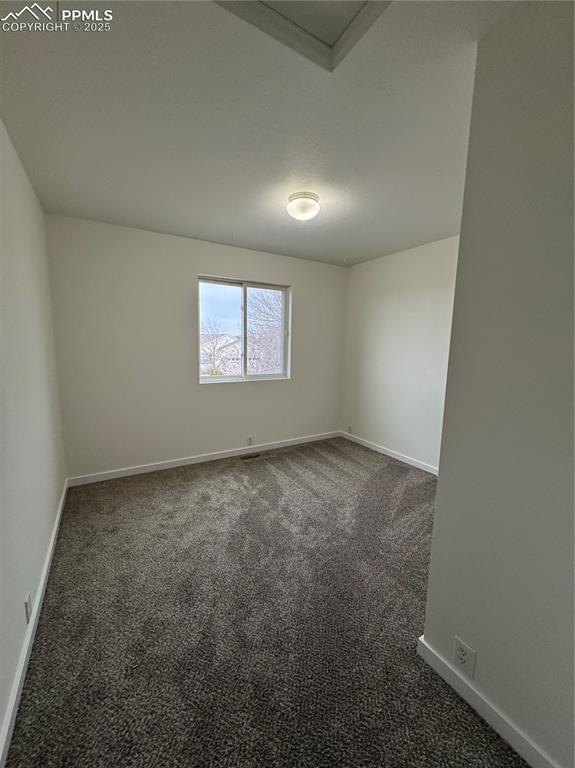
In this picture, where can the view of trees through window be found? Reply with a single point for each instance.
(223, 349)
(265, 344)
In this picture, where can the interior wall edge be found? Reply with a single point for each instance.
(501, 573)
(398, 316)
(31, 441)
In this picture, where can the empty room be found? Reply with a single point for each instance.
(286, 384)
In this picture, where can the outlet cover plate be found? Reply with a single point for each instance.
(464, 657)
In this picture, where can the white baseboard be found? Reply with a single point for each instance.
(20, 675)
(534, 755)
(170, 464)
(388, 452)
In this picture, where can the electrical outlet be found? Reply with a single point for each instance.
(250, 440)
(28, 607)
(464, 657)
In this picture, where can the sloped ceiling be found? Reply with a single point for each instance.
(185, 119)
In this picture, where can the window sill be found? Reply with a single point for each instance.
(229, 380)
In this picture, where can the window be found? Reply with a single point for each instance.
(244, 331)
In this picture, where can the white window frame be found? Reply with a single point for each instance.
(286, 332)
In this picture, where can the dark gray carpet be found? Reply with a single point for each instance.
(246, 614)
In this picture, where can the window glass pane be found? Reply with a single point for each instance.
(265, 342)
(220, 329)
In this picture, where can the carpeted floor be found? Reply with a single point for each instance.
(246, 614)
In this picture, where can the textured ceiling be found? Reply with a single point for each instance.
(184, 119)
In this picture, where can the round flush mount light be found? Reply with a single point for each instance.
(303, 206)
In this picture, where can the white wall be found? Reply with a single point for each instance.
(398, 325)
(502, 562)
(126, 326)
(31, 455)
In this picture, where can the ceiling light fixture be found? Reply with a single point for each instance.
(303, 206)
